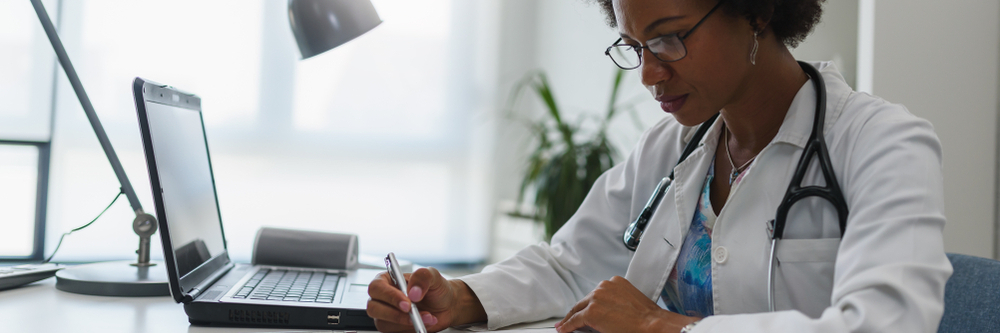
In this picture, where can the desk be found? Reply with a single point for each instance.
(40, 307)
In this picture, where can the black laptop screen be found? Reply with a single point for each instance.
(185, 175)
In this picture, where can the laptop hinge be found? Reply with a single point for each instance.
(198, 289)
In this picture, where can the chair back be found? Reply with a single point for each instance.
(972, 296)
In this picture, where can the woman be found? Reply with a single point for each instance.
(702, 265)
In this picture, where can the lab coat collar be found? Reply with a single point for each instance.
(797, 126)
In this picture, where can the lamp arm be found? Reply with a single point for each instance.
(144, 224)
(81, 94)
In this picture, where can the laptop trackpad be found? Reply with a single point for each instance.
(356, 295)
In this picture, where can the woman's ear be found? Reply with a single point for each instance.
(759, 25)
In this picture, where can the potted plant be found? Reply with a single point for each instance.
(566, 159)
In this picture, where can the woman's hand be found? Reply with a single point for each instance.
(443, 303)
(617, 306)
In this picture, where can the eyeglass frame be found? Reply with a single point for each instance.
(638, 49)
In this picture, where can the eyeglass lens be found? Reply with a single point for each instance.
(666, 48)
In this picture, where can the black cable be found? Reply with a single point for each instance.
(121, 191)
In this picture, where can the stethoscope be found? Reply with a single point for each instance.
(815, 147)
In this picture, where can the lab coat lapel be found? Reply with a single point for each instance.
(657, 252)
(797, 125)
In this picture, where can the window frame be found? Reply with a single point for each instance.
(41, 198)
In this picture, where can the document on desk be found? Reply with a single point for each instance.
(544, 326)
(517, 330)
(505, 330)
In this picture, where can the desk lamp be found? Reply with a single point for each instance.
(321, 25)
(318, 25)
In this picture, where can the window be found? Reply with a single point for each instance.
(373, 138)
(27, 63)
(19, 187)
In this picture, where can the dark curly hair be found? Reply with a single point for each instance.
(790, 20)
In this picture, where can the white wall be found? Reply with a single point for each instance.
(566, 39)
(939, 59)
(835, 39)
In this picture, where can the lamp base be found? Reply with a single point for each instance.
(114, 278)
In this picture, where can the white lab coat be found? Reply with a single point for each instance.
(887, 273)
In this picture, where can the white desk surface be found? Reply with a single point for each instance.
(40, 307)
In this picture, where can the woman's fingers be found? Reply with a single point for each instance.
(382, 289)
(617, 306)
(574, 320)
(424, 280)
(428, 319)
(389, 319)
(582, 304)
(389, 313)
(390, 308)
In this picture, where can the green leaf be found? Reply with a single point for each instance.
(545, 93)
(613, 99)
(563, 165)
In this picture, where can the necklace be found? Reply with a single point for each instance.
(736, 171)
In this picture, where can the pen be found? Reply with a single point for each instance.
(396, 274)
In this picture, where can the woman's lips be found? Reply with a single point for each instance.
(671, 104)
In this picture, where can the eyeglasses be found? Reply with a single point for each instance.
(667, 48)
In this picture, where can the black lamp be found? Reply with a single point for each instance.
(318, 25)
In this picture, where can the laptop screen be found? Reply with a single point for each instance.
(189, 207)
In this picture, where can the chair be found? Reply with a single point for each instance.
(972, 296)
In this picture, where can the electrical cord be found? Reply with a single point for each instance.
(121, 191)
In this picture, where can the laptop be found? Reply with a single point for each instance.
(213, 289)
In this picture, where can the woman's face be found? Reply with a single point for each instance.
(714, 71)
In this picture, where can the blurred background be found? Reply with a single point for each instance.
(405, 135)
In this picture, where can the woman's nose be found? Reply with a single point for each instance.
(652, 70)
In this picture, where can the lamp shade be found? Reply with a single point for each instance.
(320, 25)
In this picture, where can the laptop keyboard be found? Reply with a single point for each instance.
(291, 286)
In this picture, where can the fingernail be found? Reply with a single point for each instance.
(404, 306)
(416, 293)
(429, 319)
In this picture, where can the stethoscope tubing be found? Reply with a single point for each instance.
(815, 147)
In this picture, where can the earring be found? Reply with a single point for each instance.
(753, 51)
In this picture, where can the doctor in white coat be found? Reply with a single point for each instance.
(702, 263)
